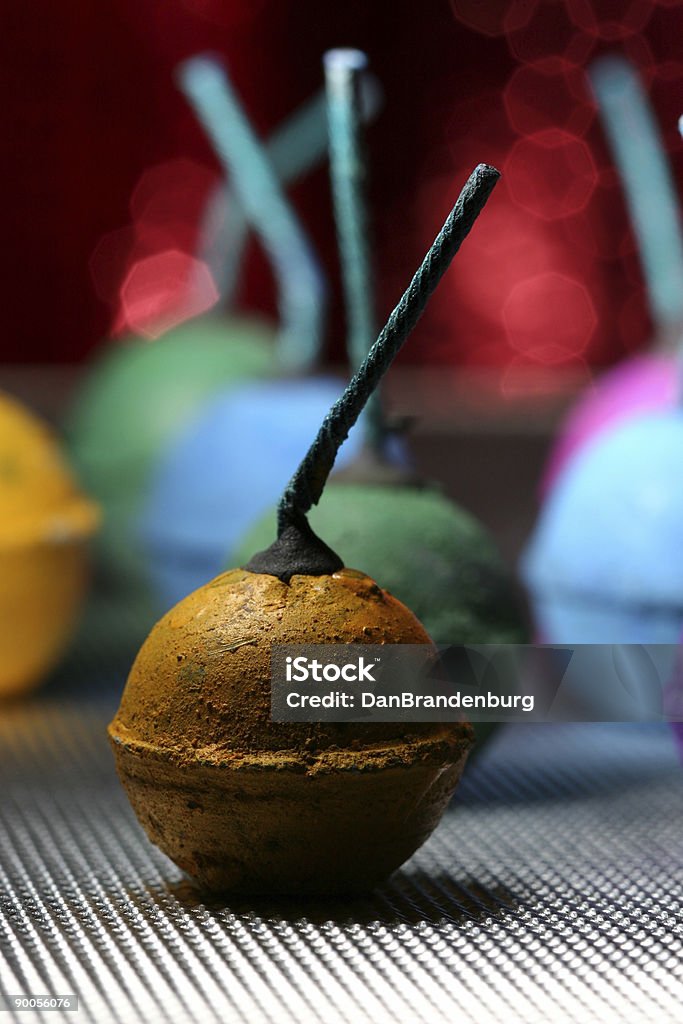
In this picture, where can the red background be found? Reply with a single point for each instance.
(550, 276)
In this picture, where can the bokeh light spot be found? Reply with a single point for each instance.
(550, 318)
(638, 51)
(493, 17)
(165, 188)
(167, 204)
(610, 20)
(538, 97)
(663, 35)
(595, 231)
(551, 174)
(163, 290)
(509, 247)
(549, 32)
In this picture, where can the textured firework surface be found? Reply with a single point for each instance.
(278, 809)
(245, 804)
(422, 548)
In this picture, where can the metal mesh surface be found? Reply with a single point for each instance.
(551, 892)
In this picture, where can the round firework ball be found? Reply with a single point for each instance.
(605, 562)
(649, 380)
(644, 383)
(245, 804)
(45, 526)
(136, 398)
(220, 474)
(449, 573)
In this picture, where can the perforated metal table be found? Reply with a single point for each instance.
(552, 891)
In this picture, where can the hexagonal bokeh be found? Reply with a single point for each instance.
(555, 237)
(551, 174)
(163, 290)
(170, 186)
(493, 17)
(474, 285)
(664, 34)
(638, 51)
(158, 234)
(539, 96)
(508, 248)
(550, 317)
(549, 32)
(610, 20)
(168, 201)
(591, 232)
